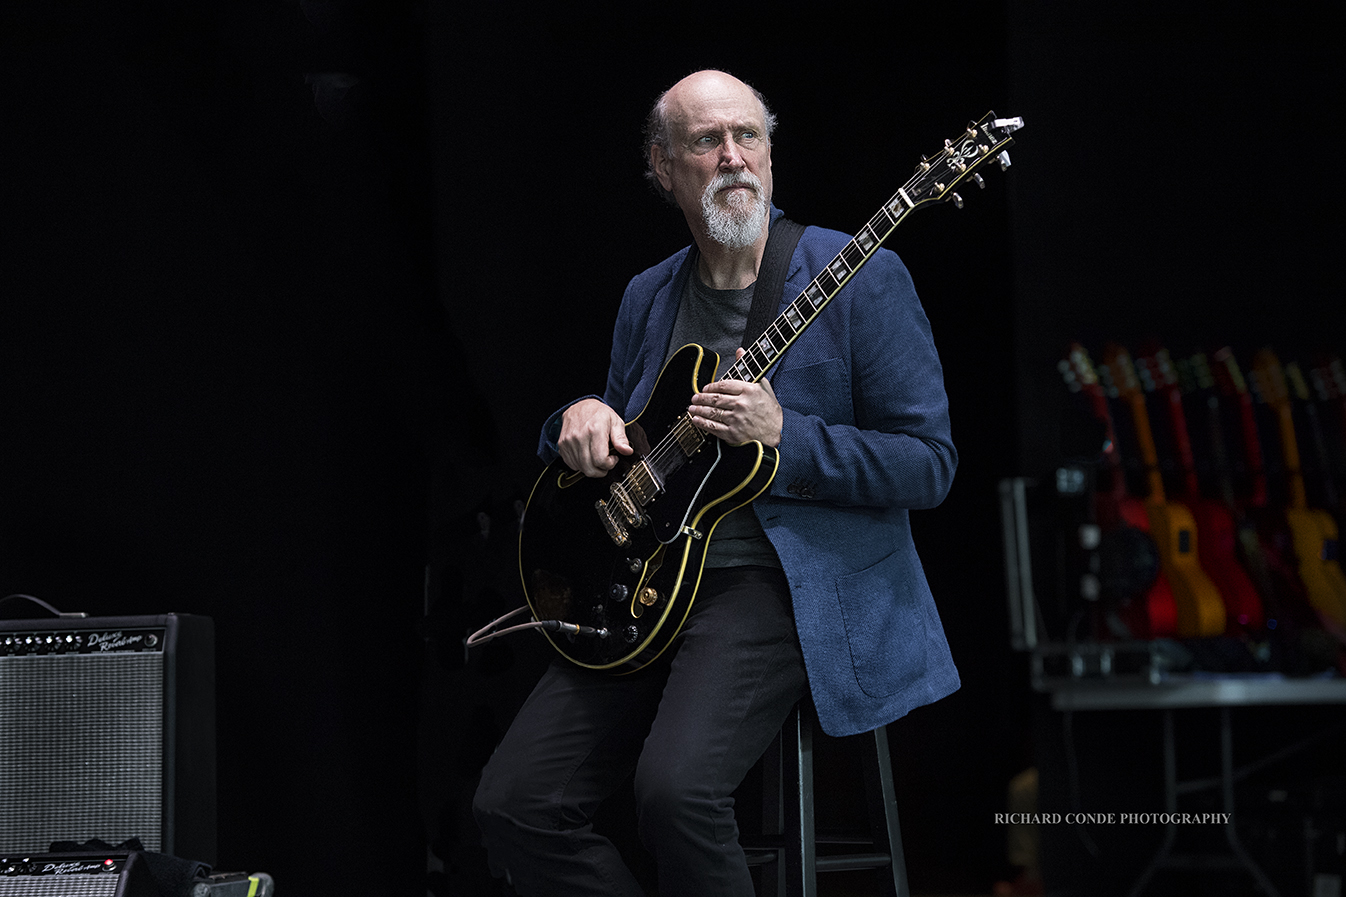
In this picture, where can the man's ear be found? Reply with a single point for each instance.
(661, 164)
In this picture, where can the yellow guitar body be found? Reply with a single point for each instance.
(1201, 610)
(1313, 530)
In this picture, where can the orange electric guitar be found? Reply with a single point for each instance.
(1314, 531)
(1152, 613)
(1200, 609)
(1187, 389)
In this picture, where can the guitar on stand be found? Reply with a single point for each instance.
(1313, 531)
(1200, 609)
(1127, 550)
(1218, 546)
(1294, 627)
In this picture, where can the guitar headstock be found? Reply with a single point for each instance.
(1328, 377)
(1149, 373)
(1196, 374)
(1269, 379)
(937, 175)
(1295, 378)
(1123, 369)
(1078, 369)
(1228, 374)
(1335, 375)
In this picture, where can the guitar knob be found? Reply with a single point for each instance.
(635, 565)
(618, 592)
(630, 634)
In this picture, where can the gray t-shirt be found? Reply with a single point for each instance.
(715, 320)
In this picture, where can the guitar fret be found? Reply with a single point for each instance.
(794, 319)
(853, 255)
(819, 291)
(840, 269)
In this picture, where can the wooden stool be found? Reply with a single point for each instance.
(788, 848)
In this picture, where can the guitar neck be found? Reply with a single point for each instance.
(1276, 394)
(1316, 435)
(1167, 388)
(787, 327)
(1233, 384)
(933, 182)
(1128, 389)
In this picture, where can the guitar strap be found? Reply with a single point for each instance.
(780, 246)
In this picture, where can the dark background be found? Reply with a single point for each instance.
(288, 288)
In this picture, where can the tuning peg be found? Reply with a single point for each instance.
(956, 199)
(1004, 160)
(977, 179)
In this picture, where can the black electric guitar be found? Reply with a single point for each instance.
(617, 559)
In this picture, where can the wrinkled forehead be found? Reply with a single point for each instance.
(713, 104)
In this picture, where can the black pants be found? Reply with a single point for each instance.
(689, 728)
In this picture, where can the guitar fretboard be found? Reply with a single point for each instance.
(800, 313)
(933, 182)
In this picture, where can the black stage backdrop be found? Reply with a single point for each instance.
(288, 288)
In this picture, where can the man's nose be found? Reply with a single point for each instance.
(731, 155)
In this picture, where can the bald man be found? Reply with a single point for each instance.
(814, 589)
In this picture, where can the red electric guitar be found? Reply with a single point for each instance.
(1200, 609)
(1155, 615)
(1218, 546)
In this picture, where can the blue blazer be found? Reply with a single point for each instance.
(866, 438)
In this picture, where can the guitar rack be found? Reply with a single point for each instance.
(1057, 658)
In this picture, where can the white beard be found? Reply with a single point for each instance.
(739, 224)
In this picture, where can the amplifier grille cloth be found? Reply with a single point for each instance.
(81, 750)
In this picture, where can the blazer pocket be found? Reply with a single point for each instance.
(885, 628)
(820, 388)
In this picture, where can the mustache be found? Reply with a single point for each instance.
(726, 179)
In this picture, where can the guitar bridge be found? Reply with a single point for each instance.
(616, 531)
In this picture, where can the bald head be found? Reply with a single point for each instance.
(674, 113)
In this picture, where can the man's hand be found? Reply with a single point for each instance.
(592, 435)
(737, 411)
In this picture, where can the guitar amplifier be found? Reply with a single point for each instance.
(77, 875)
(107, 732)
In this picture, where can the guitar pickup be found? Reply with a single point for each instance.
(630, 510)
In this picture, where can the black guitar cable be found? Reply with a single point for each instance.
(489, 631)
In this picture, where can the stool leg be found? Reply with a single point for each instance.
(774, 763)
(881, 796)
(801, 859)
